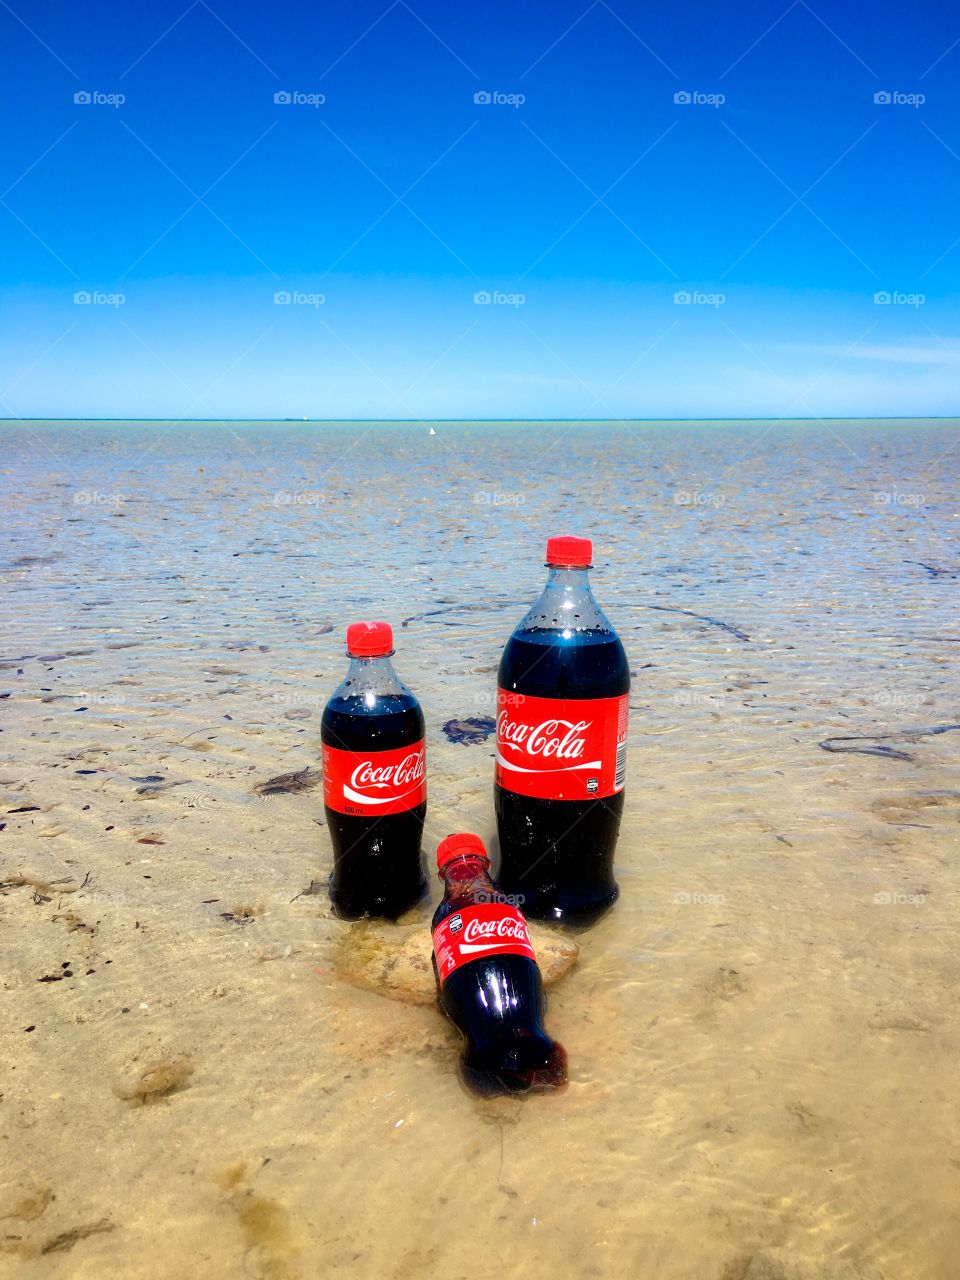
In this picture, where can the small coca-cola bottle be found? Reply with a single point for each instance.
(488, 980)
(561, 747)
(374, 784)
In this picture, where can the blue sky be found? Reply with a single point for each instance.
(620, 159)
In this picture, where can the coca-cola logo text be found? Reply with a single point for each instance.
(505, 927)
(561, 748)
(552, 739)
(409, 770)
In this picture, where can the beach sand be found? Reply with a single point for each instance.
(763, 1034)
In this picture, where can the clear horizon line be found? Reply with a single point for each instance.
(940, 417)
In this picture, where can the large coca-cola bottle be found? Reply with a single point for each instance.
(374, 784)
(561, 747)
(488, 980)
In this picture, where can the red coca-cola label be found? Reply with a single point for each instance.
(561, 748)
(488, 929)
(374, 783)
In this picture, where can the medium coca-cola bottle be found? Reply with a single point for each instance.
(561, 747)
(488, 981)
(374, 783)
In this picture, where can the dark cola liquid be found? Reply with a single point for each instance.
(497, 1003)
(558, 854)
(377, 869)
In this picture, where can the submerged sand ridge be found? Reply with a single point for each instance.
(761, 1034)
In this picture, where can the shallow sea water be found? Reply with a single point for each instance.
(763, 1034)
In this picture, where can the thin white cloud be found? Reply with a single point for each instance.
(941, 353)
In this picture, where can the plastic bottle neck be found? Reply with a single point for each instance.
(465, 869)
(370, 668)
(565, 579)
(370, 678)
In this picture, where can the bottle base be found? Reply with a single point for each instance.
(574, 913)
(346, 908)
(550, 1077)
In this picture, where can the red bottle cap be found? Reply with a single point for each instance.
(369, 639)
(570, 553)
(457, 846)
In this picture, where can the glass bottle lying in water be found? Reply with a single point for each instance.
(488, 980)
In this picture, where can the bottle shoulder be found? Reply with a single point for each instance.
(444, 909)
(370, 705)
(565, 664)
(566, 606)
(357, 722)
(371, 708)
(477, 893)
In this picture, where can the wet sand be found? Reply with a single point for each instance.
(762, 1035)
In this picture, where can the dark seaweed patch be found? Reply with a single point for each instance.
(471, 731)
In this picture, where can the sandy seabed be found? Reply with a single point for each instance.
(763, 1035)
